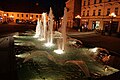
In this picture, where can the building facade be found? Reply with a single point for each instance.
(73, 10)
(14, 16)
(101, 14)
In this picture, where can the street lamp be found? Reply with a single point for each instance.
(112, 15)
(78, 21)
(78, 16)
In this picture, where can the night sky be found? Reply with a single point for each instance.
(38, 6)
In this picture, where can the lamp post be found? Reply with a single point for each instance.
(112, 15)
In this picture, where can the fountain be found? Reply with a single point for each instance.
(62, 41)
(37, 54)
(82, 65)
(50, 29)
(51, 64)
(42, 28)
(44, 24)
(37, 34)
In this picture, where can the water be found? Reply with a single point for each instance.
(43, 63)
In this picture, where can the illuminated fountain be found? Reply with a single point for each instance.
(82, 65)
(43, 57)
(50, 30)
(62, 41)
(44, 25)
(43, 28)
(37, 34)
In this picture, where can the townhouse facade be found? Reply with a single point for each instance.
(101, 14)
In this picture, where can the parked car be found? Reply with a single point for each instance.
(20, 21)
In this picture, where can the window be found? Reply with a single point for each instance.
(99, 12)
(26, 15)
(93, 12)
(7, 14)
(40, 16)
(84, 2)
(108, 11)
(36, 16)
(87, 12)
(94, 1)
(83, 13)
(17, 15)
(88, 2)
(116, 11)
(22, 15)
(100, 1)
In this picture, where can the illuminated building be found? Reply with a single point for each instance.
(13, 16)
(73, 10)
(95, 14)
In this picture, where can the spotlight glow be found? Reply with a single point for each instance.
(94, 49)
(18, 43)
(22, 55)
(15, 36)
(41, 39)
(58, 51)
(36, 36)
(49, 44)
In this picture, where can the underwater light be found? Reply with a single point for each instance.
(36, 36)
(15, 36)
(48, 44)
(94, 49)
(22, 55)
(58, 51)
(41, 39)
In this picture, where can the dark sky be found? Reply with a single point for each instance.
(31, 6)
